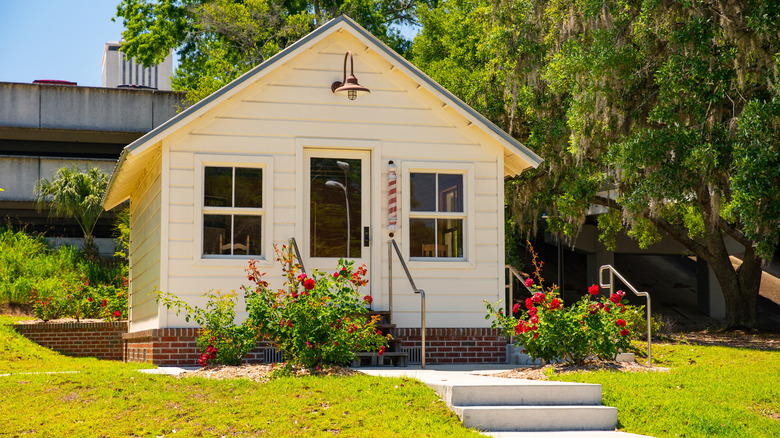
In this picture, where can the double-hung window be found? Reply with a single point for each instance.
(233, 211)
(436, 215)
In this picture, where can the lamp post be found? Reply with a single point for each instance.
(335, 184)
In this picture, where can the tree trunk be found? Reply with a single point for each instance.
(740, 287)
(90, 250)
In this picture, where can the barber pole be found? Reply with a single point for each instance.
(392, 214)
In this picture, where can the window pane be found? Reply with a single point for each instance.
(335, 189)
(449, 233)
(218, 187)
(216, 234)
(423, 191)
(249, 187)
(247, 234)
(451, 193)
(422, 237)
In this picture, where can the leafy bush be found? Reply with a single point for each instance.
(61, 283)
(551, 332)
(220, 340)
(318, 320)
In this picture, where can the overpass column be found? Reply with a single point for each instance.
(710, 295)
(595, 261)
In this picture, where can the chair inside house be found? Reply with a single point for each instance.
(433, 250)
(236, 247)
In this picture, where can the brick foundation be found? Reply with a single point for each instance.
(172, 347)
(95, 339)
(177, 346)
(456, 345)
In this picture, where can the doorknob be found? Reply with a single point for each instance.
(366, 236)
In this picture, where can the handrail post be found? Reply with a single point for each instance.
(612, 273)
(394, 246)
(390, 279)
(422, 325)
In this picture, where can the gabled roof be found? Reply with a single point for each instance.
(517, 156)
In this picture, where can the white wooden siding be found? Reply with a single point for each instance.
(407, 122)
(144, 252)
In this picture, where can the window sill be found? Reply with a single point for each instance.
(440, 263)
(232, 261)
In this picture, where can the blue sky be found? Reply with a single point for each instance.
(55, 39)
(59, 39)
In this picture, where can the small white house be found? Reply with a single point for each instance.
(277, 154)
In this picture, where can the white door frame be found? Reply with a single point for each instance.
(374, 170)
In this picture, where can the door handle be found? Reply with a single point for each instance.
(366, 236)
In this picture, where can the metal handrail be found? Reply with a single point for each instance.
(390, 246)
(294, 247)
(511, 286)
(612, 274)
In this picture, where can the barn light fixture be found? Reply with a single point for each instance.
(349, 85)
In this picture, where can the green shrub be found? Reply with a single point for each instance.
(61, 283)
(551, 332)
(318, 320)
(220, 340)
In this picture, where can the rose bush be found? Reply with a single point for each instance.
(315, 320)
(592, 327)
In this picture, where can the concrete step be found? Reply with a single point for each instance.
(537, 418)
(491, 392)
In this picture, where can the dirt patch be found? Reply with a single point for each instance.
(544, 372)
(261, 372)
(737, 338)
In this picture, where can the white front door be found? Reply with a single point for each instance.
(336, 208)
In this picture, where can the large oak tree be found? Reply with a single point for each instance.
(665, 111)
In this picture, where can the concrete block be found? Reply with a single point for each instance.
(537, 418)
(98, 109)
(521, 392)
(19, 105)
(625, 357)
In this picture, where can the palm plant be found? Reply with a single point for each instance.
(77, 195)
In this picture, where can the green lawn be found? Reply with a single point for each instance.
(113, 399)
(709, 392)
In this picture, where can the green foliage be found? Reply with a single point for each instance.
(59, 283)
(221, 340)
(77, 195)
(664, 111)
(318, 320)
(680, 401)
(549, 331)
(219, 40)
(105, 396)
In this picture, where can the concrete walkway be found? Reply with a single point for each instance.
(451, 381)
(478, 379)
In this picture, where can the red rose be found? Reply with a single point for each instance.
(302, 277)
(624, 332)
(532, 311)
(117, 313)
(534, 319)
(308, 284)
(89, 299)
(381, 350)
(520, 327)
(336, 275)
(536, 335)
(105, 303)
(621, 323)
(555, 303)
(529, 281)
(529, 304)
(367, 299)
(615, 298)
(516, 308)
(593, 290)
(538, 297)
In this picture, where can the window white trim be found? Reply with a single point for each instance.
(265, 162)
(468, 215)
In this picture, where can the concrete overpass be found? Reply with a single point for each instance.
(46, 127)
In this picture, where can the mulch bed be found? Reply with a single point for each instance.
(261, 373)
(542, 372)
